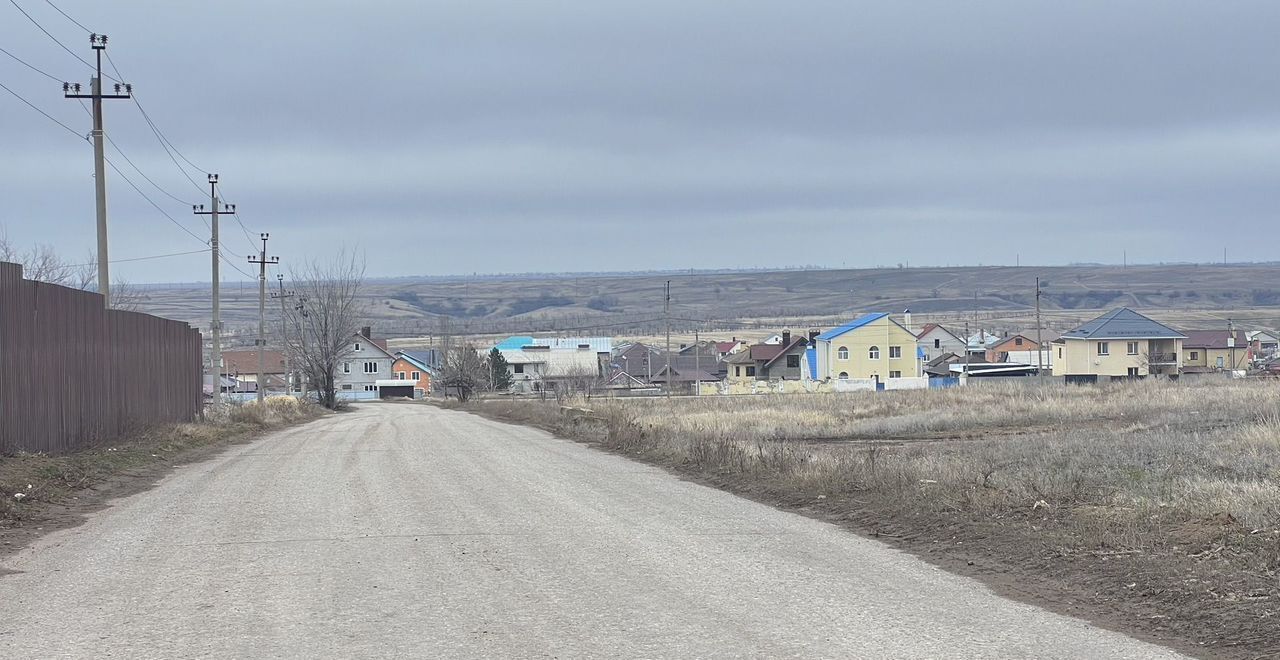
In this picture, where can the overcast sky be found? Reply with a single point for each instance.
(446, 137)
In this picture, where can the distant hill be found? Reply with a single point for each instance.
(416, 306)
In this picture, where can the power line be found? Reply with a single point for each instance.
(135, 167)
(154, 256)
(46, 115)
(55, 39)
(165, 144)
(133, 185)
(64, 14)
(23, 62)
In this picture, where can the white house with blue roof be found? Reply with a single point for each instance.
(873, 347)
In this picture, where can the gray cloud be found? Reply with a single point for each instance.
(577, 135)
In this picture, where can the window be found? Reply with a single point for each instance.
(937, 343)
(1131, 348)
(874, 352)
(737, 371)
(370, 388)
(1195, 355)
(793, 361)
(1059, 352)
(346, 386)
(843, 353)
(517, 368)
(1220, 363)
(357, 347)
(1104, 348)
(346, 367)
(1017, 341)
(895, 374)
(415, 375)
(751, 371)
(1133, 372)
(844, 375)
(400, 375)
(895, 352)
(371, 367)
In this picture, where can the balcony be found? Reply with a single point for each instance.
(1162, 358)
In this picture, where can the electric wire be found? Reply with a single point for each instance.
(157, 207)
(23, 62)
(55, 39)
(64, 14)
(46, 115)
(154, 256)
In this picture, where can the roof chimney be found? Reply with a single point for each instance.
(907, 321)
(786, 337)
(813, 334)
(366, 332)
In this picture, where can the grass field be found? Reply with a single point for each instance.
(1190, 296)
(1151, 506)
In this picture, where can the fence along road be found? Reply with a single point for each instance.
(72, 372)
(402, 530)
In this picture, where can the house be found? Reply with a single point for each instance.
(1264, 343)
(871, 347)
(726, 348)
(682, 381)
(242, 367)
(935, 341)
(363, 364)
(1215, 350)
(1022, 348)
(1119, 344)
(768, 362)
(639, 361)
(416, 367)
(540, 368)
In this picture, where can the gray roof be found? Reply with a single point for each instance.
(1123, 323)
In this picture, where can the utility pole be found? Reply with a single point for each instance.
(215, 326)
(667, 313)
(1039, 338)
(284, 333)
(303, 314)
(697, 365)
(72, 91)
(1231, 343)
(262, 262)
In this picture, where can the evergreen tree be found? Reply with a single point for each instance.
(499, 375)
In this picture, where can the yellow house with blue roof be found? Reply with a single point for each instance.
(871, 347)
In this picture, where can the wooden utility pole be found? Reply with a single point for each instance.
(1039, 339)
(284, 333)
(262, 262)
(72, 91)
(215, 325)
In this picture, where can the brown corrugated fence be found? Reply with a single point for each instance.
(73, 373)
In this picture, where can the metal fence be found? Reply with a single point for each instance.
(73, 373)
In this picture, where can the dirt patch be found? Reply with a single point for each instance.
(1205, 586)
(43, 493)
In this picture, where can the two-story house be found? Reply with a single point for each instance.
(1119, 344)
(874, 346)
(416, 368)
(781, 361)
(934, 341)
(364, 362)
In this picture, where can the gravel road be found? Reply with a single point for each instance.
(401, 530)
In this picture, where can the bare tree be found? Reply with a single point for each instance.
(464, 372)
(42, 263)
(328, 315)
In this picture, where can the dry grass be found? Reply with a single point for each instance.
(1179, 480)
(28, 481)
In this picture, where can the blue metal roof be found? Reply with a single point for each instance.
(851, 325)
(811, 356)
(514, 343)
